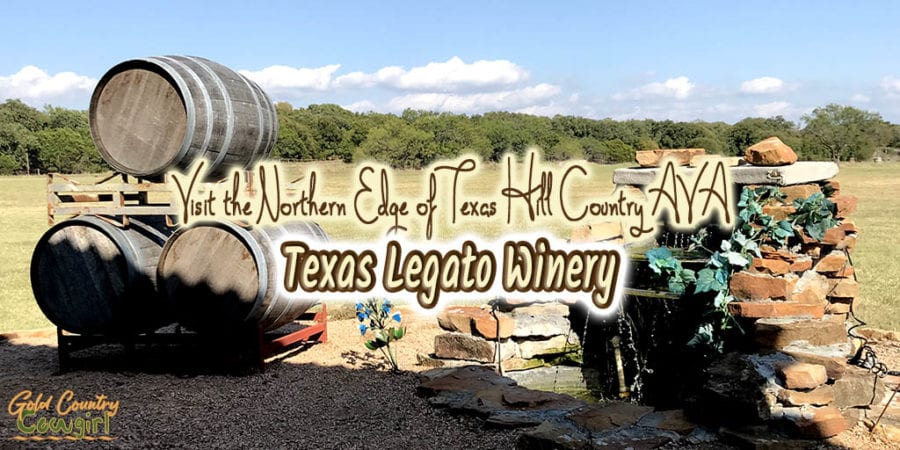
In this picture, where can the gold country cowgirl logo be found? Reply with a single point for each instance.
(41, 417)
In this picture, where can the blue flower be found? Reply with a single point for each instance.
(396, 317)
(359, 306)
(362, 329)
(361, 316)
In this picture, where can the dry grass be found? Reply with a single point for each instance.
(877, 258)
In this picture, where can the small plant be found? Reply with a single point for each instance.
(814, 214)
(665, 264)
(376, 316)
(753, 228)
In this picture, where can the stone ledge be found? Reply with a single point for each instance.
(798, 173)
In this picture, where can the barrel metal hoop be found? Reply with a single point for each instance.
(259, 117)
(188, 107)
(229, 112)
(207, 101)
(273, 117)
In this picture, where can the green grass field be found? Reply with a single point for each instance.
(877, 258)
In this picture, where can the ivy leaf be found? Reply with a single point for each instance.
(736, 259)
(722, 300)
(726, 246)
(815, 230)
(722, 276)
(676, 286)
(688, 276)
(706, 281)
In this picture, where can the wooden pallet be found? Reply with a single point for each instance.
(107, 197)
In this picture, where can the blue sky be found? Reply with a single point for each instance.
(664, 60)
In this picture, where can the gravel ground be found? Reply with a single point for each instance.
(328, 396)
(332, 395)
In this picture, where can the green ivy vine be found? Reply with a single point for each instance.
(753, 228)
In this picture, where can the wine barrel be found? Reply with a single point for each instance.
(90, 276)
(154, 114)
(220, 276)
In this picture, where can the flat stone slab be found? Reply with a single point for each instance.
(797, 173)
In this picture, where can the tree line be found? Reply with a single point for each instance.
(58, 139)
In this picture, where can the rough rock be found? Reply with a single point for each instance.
(553, 346)
(832, 262)
(769, 266)
(653, 158)
(465, 346)
(858, 387)
(843, 288)
(769, 309)
(831, 188)
(672, 420)
(811, 288)
(846, 205)
(820, 423)
(475, 320)
(469, 378)
(754, 287)
(600, 417)
(779, 333)
(819, 396)
(779, 212)
(540, 320)
(732, 392)
(801, 264)
(554, 435)
(770, 152)
(800, 191)
(799, 375)
(458, 318)
(518, 364)
(841, 305)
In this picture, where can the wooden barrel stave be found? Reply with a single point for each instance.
(92, 277)
(242, 287)
(159, 113)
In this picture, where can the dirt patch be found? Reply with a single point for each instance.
(328, 396)
(331, 395)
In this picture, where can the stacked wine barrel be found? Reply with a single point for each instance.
(93, 275)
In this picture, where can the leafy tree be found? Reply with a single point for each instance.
(566, 149)
(65, 150)
(844, 133)
(17, 112)
(17, 148)
(647, 143)
(453, 134)
(67, 118)
(400, 145)
(609, 152)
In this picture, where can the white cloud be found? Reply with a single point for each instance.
(280, 78)
(762, 85)
(451, 76)
(891, 85)
(678, 88)
(36, 87)
(771, 109)
(473, 103)
(860, 98)
(549, 110)
(360, 106)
